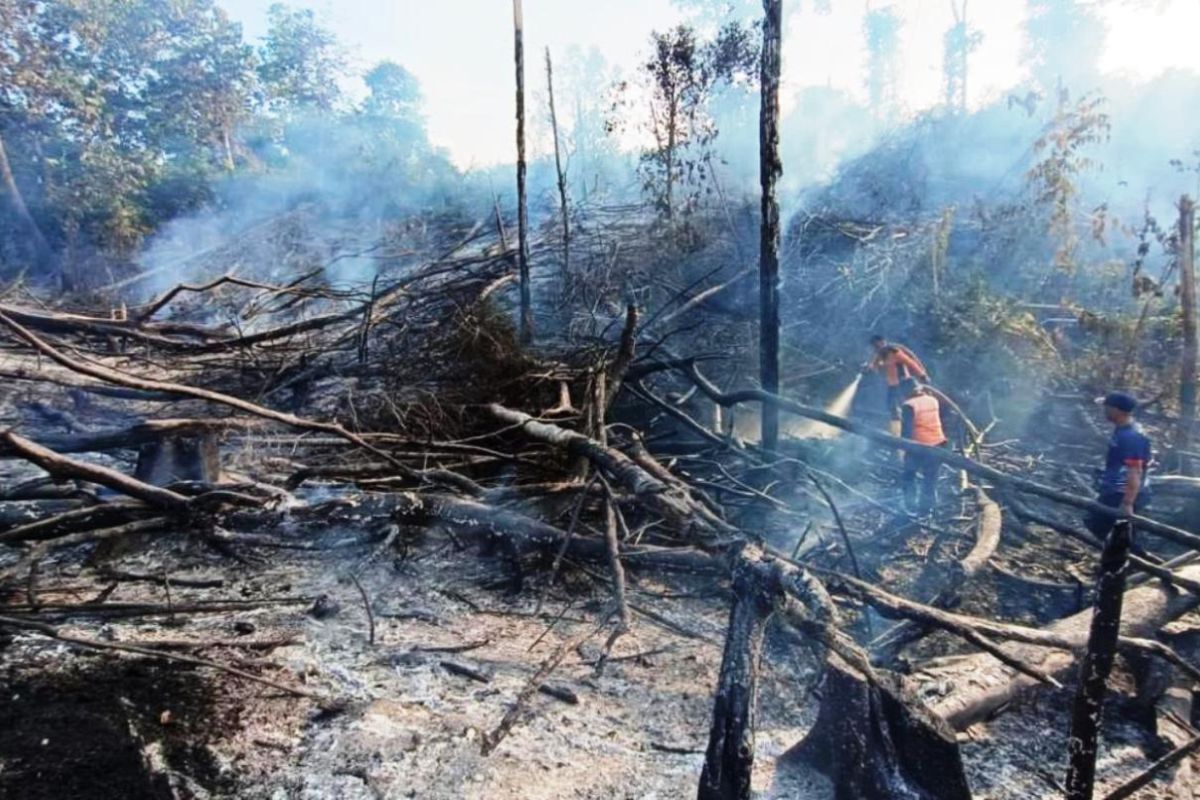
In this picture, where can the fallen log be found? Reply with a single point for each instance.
(74, 520)
(695, 520)
(134, 436)
(979, 685)
(987, 538)
(529, 535)
(1136, 562)
(73, 323)
(69, 468)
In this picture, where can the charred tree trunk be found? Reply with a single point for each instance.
(1187, 301)
(874, 743)
(558, 168)
(769, 172)
(526, 323)
(1097, 664)
(729, 760)
(41, 246)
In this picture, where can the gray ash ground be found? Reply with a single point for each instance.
(410, 726)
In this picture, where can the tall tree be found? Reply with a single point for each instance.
(392, 112)
(957, 45)
(301, 63)
(558, 168)
(203, 82)
(522, 210)
(1187, 300)
(881, 27)
(679, 80)
(1064, 39)
(586, 80)
(1062, 152)
(770, 168)
(393, 92)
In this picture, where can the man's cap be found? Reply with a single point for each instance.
(909, 385)
(877, 337)
(1120, 401)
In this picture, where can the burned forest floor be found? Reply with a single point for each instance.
(364, 544)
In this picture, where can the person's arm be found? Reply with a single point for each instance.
(1133, 485)
(913, 365)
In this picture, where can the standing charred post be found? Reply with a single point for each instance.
(1187, 302)
(1097, 664)
(729, 758)
(522, 210)
(558, 167)
(770, 169)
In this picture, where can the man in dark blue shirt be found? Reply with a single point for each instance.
(1122, 484)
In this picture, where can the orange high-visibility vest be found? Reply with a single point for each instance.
(927, 420)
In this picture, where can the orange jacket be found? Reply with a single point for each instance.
(926, 420)
(897, 364)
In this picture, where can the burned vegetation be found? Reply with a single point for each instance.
(590, 494)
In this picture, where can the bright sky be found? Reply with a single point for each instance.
(461, 50)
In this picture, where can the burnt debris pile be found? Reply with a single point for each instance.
(238, 466)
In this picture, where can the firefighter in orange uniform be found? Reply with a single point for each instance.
(897, 363)
(921, 422)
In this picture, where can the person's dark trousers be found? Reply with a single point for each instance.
(895, 398)
(1101, 524)
(924, 467)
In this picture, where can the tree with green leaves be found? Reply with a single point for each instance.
(300, 63)
(679, 79)
(1062, 161)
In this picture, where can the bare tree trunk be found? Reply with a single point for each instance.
(965, 58)
(558, 166)
(526, 324)
(1097, 664)
(1187, 300)
(227, 146)
(729, 761)
(672, 116)
(770, 169)
(41, 246)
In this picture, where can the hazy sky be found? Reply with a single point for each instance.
(461, 50)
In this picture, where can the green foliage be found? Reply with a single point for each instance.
(300, 63)
(1063, 160)
(118, 115)
(680, 77)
